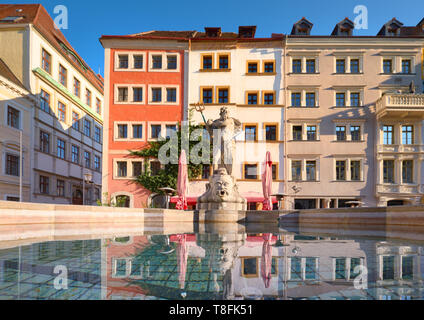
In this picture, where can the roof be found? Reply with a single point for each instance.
(9, 75)
(37, 15)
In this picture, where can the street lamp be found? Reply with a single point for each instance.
(87, 179)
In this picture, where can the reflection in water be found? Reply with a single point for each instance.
(215, 266)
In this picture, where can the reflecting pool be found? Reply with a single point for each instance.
(210, 266)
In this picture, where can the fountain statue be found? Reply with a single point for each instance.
(222, 191)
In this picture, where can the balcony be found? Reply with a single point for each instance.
(400, 106)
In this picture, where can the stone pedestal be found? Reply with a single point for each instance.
(221, 194)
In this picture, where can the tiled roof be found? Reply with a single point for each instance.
(37, 15)
(8, 74)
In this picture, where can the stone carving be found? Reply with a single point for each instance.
(221, 193)
(222, 131)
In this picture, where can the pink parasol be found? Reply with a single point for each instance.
(182, 254)
(266, 259)
(182, 182)
(267, 182)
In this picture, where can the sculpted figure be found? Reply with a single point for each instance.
(223, 129)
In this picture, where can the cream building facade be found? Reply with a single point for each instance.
(66, 153)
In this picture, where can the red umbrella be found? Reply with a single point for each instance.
(182, 254)
(267, 182)
(266, 259)
(182, 182)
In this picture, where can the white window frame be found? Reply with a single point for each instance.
(164, 96)
(21, 113)
(348, 168)
(131, 55)
(347, 91)
(162, 131)
(348, 124)
(303, 91)
(397, 62)
(303, 169)
(164, 61)
(347, 268)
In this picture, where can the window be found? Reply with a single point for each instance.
(63, 75)
(61, 110)
(296, 170)
(387, 66)
(340, 170)
(355, 170)
(269, 67)
(122, 94)
(340, 270)
(60, 188)
(271, 133)
(172, 62)
(138, 61)
(354, 262)
(87, 128)
(250, 133)
(98, 106)
(388, 268)
(388, 171)
(122, 169)
(13, 117)
(407, 135)
(97, 163)
(207, 62)
(340, 66)
(207, 95)
(171, 129)
(311, 269)
(274, 169)
(341, 133)
(388, 135)
(123, 61)
(137, 131)
(75, 154)
(44, 142)
(407, 171)
(75, 120)
(310, 99)
(136, 166)
(77, 87)
(250, 172)
(223, 62)
(171, 95)
(206, 171)
(311, 169)
(155, 168)
(406, 66)
(310, 66)
(252, 98)
(88, 97)
(297, 66)
(355, 99)
(354, 66)
(223, 95)
(61, 149)
(156, 131)
(44, 185)
(295, 268)
(137, 94)
(157, 62)
(296, 99)
(340, 99)
(87, 159)
(97, 134)
(46, 61)
(252, 67)
(12, 165)
(122, 131)
(297, 133)
(355, 132)
(45, 101)
(311, 133)
(407, 268)
(269, 98)
(156, 95)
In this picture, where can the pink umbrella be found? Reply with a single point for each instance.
(266, 259)
(182, 254)
(182, 182)
(267, 182)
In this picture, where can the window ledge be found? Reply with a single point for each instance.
(304, 107)
(304, 140)
(303, 181)
(348, 74)
(260, 74)
(346, 107)
(260, 105)
(303, 73)
(349, 141)
(348, 181)
(214, 70)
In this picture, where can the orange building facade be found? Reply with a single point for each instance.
(144, 95)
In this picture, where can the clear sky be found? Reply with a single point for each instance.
(89, 19)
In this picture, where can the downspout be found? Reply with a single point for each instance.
(286, 179)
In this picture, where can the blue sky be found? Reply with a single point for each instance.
(90, 19)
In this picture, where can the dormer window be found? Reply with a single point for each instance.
(247, 32)
(344, 28)
(213, 32)
(391, 28)
(302, 27)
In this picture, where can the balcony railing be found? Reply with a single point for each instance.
(400, 102)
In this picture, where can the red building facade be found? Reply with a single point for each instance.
(144, 100)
